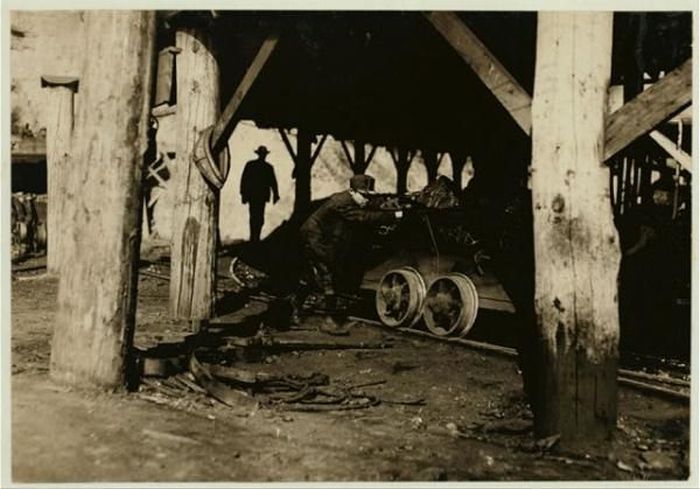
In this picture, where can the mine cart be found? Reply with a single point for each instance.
(431, 266)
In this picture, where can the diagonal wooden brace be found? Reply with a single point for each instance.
(487, 67)
(683, 158)
(650, 108)
(227, 121)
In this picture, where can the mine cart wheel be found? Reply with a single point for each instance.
(400, 296)
(41, 235)
(451, 305)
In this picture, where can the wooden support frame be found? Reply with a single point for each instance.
(431, 163)
(227, 121)
(369, 158)
(317, 149)
(288, 144)
(661, 101)
(302, 171)
(683, 158)
(577, 251)
(304, 158)
(650, 108)
(92, 343)
(294, 154)
(359, 163)
(402, 162)
(459, 161)
(59, 133)
(487, 67)
(359, 166)
(348, 155)
(196, 202)
(396, 155)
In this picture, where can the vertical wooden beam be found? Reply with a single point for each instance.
(359, 165)
(59, 130)
(302, 171)
(288, 144)
(459, 159)
(671, 94)
(402, 161)
(430, 160)
(195, 220)
(576, 245)
(645, 184)
(227, 122)
(629, 186)
(93, 335)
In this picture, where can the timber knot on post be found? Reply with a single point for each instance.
(558, 204)
(558, 305)
(570, 174)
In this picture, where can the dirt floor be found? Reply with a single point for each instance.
(444, 412)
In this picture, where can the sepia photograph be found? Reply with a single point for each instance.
(371, 244)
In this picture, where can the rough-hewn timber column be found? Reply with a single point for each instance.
(430, 160)
(402, 178)
(361, 164)
(576, 245)
(402, 163)
(195, 219)
(302, 171)
(93, 336)
(459, 159)
(59, 129)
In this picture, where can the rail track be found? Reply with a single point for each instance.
(664, 386)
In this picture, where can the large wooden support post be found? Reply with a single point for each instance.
(360, 166)
(302, 171)
(93, 336)
(403, 164)
(402, 161)
(459, 159)
(59, 130)
(360, 162)
(576, 245)
(430, 160)
(195, 210)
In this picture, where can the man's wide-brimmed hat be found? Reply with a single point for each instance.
(262, 150)
(362, 183)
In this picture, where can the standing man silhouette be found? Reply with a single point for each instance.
(257, 181)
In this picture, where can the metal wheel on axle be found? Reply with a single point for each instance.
(451, 305)
(400, 296)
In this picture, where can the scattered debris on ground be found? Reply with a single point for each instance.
(301, 405)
